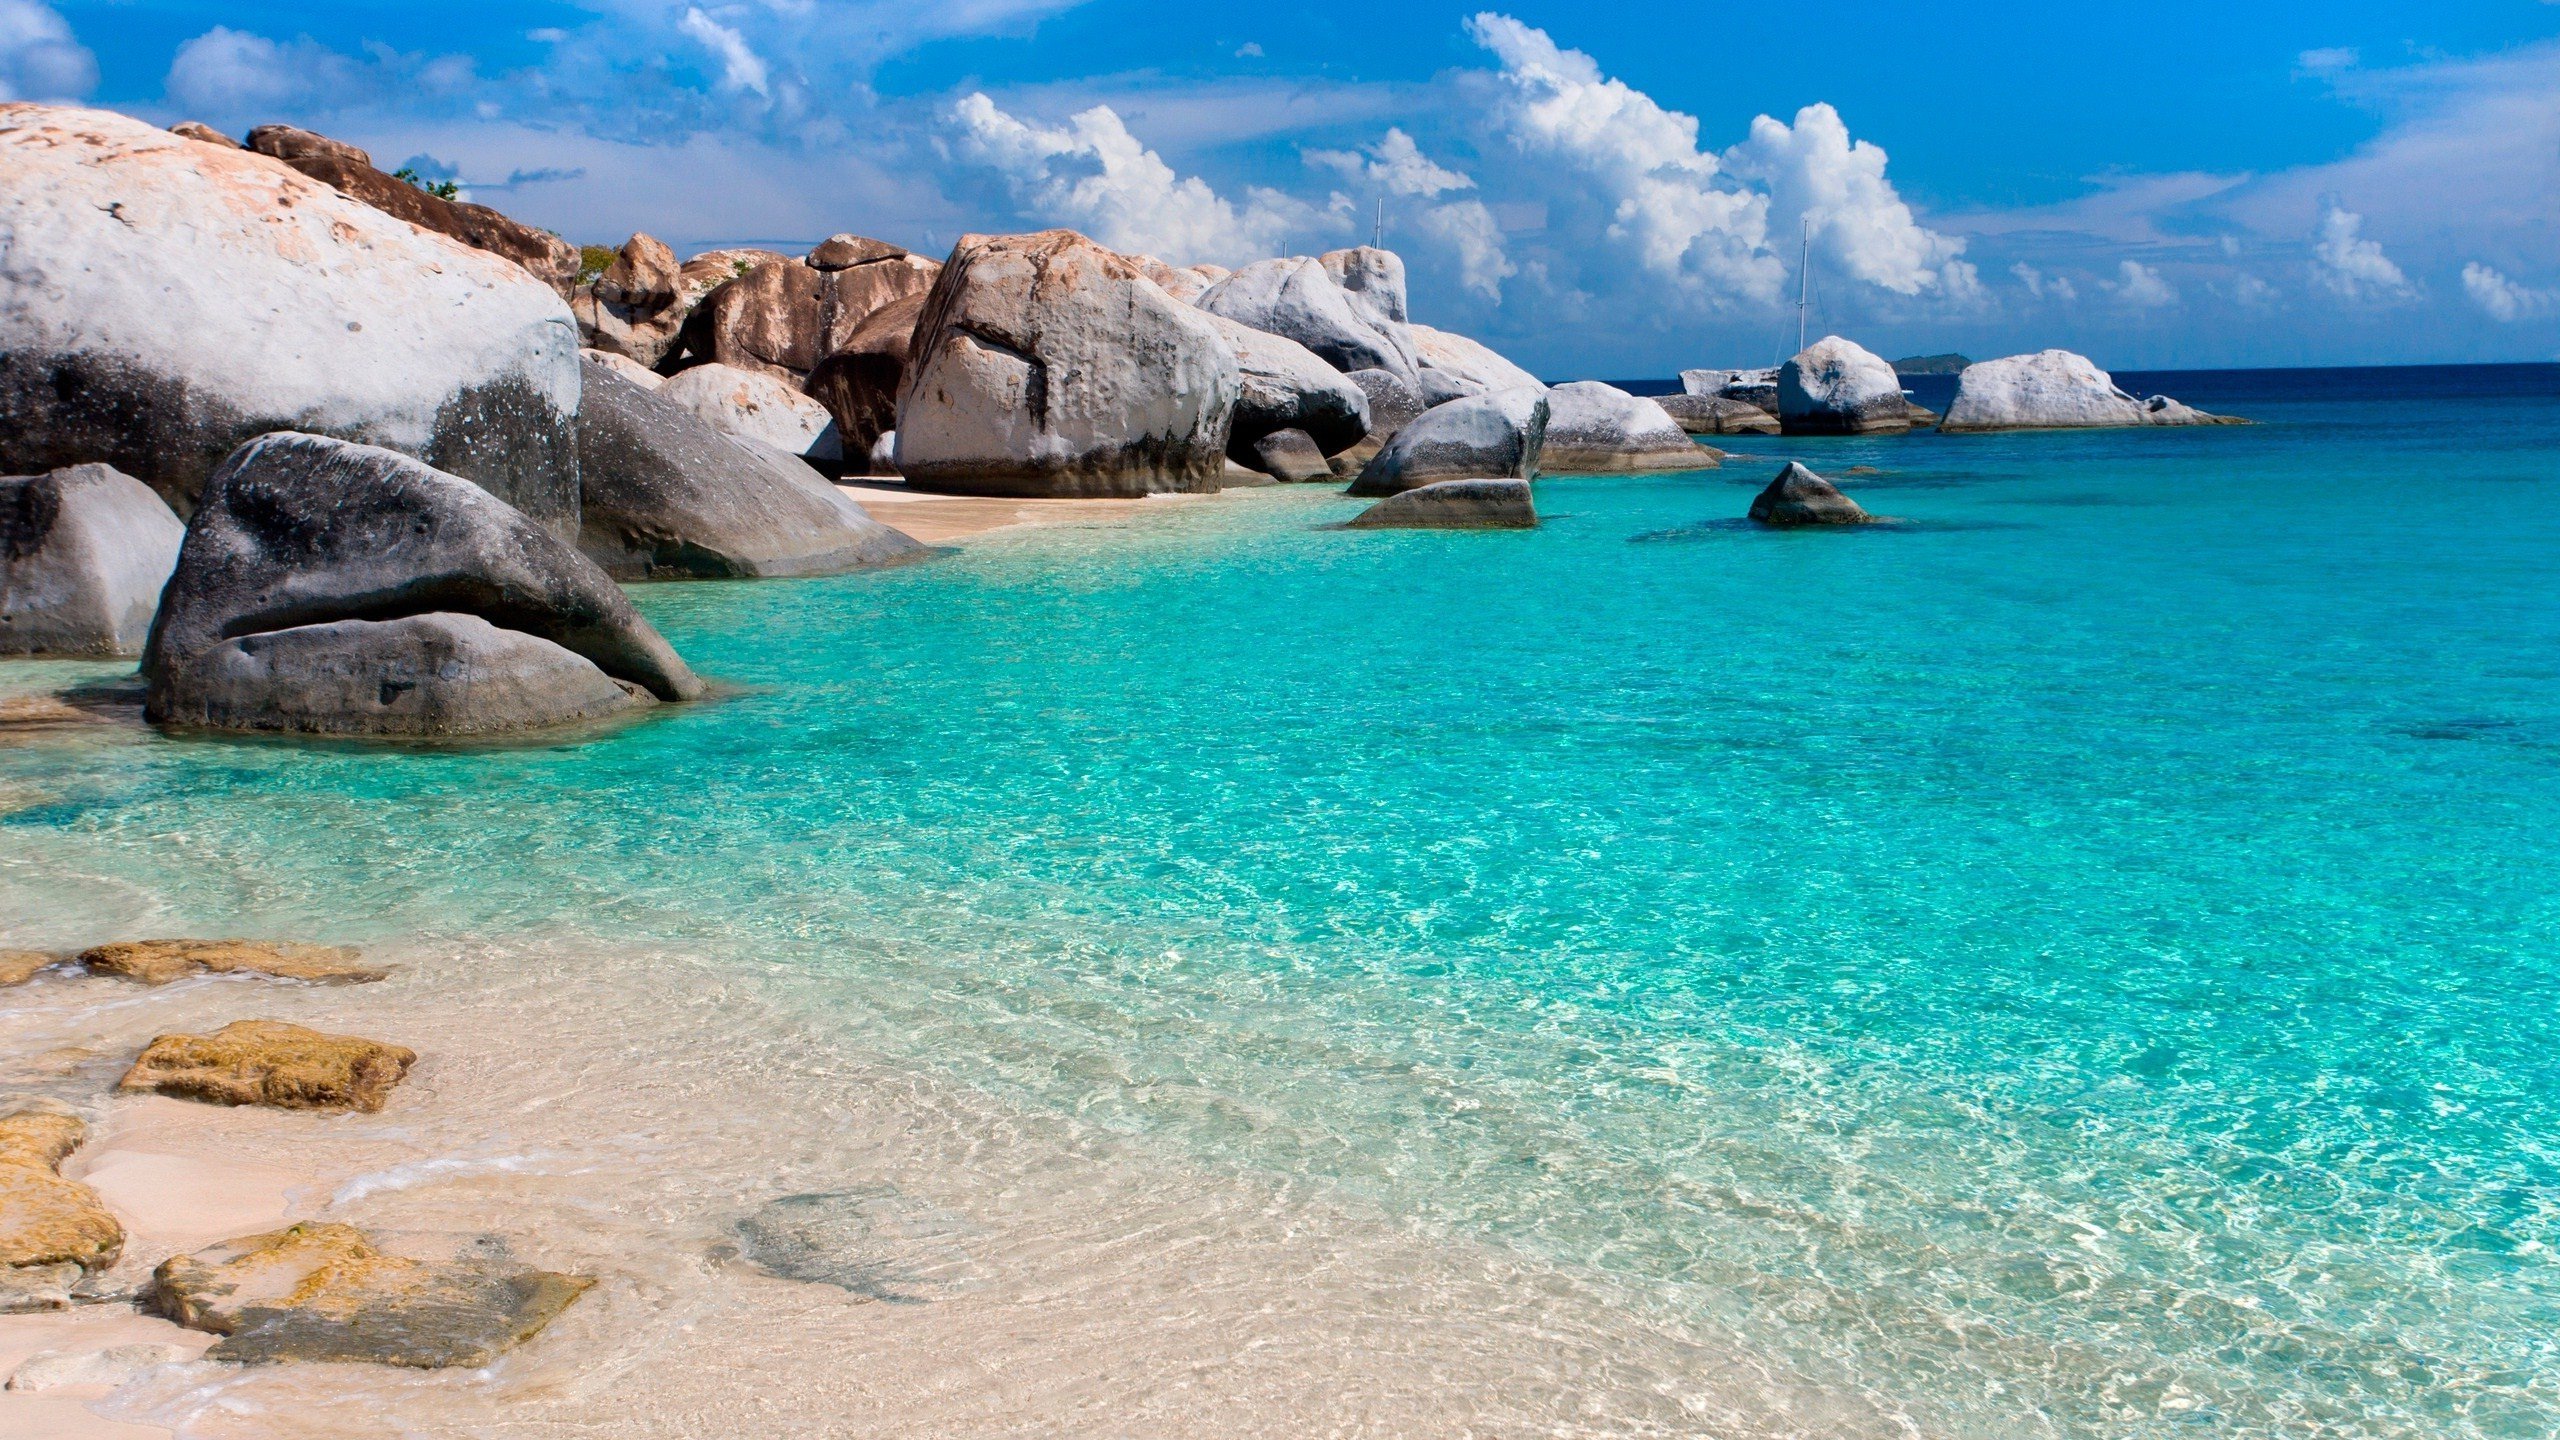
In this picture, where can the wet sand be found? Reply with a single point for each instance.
(944, 519)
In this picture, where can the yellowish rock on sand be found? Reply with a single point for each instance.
(268, 1062)
(322, 1291)
(158, 962)
(17, 967)
(51, 1229)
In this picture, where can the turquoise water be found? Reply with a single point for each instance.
(2080, 963)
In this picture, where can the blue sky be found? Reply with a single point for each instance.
(1611, 190)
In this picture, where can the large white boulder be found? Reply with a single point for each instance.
(760, 407)
(1597, 429)
(1285, 387)
(1047, 365)
(1837, 388)
(1467, 366)
(1494, 436)
(84, 552)
(2054, 390)
(166, 300)
(1299, 299)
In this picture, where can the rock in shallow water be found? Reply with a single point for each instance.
(52, 1230)
(84, 552)
(299, 533)
(158, 962)
(2055, 390)
(1597, 429)
(1496, 435)
(1454, 505)
(268, 1062)
(876, 1243)
(1716, 415)
(325, 1292)
(55, 1369)
(1837, 388)
(1800, 497)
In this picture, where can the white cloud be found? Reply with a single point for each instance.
(2326, 61)
(2502, 299)
(2142, 287)
(740, 67)
(1468, 230)
(2251, 291)
(2041, 285)
(1640, 162)
(1819, 178)
(1091, 173)
(39, 58)
(1395, 165)
(2349, 265)
(232, 73)
(1465, 228)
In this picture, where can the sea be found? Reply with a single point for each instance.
(2080, 960)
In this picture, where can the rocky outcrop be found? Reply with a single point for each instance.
(1836, 388)
(17, 967)
(350, 171)
(1454, 505)
(1284, 387)
(623, 366)
(1393, 404)
(1596, 429)
(668, 494)
(1455, 365)
(198, 130)
(342, 589)
(322, 1292)
(761, 408)
(1755, 388)
(784, 317)
(52, 1231)
(1716, 415)
(1184, 283)
(1490, 437)
(83, 554)
(633, 308)
(860, 380)
(300, 308)
(160, 962)
(1046, 365)
(268, 1062)
(1799, 497)
(2055, 390)
(1299, 299)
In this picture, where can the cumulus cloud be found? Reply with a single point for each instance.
(1395, 165)
(39, 58)
(229, 72)
(2041, 285)
(2251, 291)
(1663, 198)
(2347, 264)
(2142, 287)
(1835, 189)
(2502, 299)
(1466, 229)
(740, 67)
(1091, 173)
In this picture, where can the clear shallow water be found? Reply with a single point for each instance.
(2080, 964)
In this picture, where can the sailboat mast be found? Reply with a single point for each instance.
(1804, 284)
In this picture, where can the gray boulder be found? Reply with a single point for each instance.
(1045, 365)
(2055, 390)
(1490, 437)
(1836, 388)
(1462, 366)
(760, 407)
(668, 494)
(84, 553)
(1298, 299)
(1716, 415)
(1454, 505)
(1283, 386)
(1289, 456)
(1800, 497)
(298, 533)
(167, 300)
(1393, 404)
(1597, 429)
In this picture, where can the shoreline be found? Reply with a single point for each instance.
(935, 519)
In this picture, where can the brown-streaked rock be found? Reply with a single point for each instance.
(325, 1292)
(158, 962)
(350, 171)
(292, 144)
(636, 308)
(46, 1222)
(17, 967)
(859, 381)
(198, 130)
(269, 1062)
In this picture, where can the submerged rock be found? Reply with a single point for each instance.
(320, 1292)
(113, 1366)
(1454, 505)
(759, 407)
(2055, 390)
(266, 624)
(545, 256)
(169, 300)
(1800, 497)
(1836, 388)
(875, 1243)
(1492, 436)
(669, 494)
(1045, 365)
(52, 1231)
(268, 1062)
(1716, 415)
(84, 553)
(159, 962)
(1596, 429)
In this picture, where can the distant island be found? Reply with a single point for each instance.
(1931, 365)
